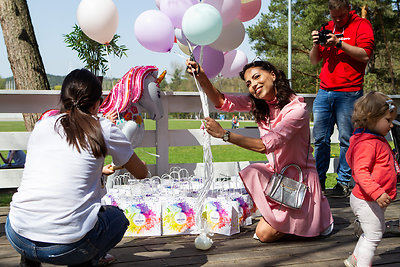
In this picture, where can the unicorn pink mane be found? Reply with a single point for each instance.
(128, 90)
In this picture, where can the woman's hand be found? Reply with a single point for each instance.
(214, 128)
(107, 170)
(112, 116)
(384, 200)
(212, 93)
(193, 67)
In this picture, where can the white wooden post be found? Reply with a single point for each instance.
(162, 140)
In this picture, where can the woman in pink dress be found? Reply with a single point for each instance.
(283, 122)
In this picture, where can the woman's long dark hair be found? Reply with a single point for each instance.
(260, 109)
(80, 91)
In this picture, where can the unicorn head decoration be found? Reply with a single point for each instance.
(138, 90)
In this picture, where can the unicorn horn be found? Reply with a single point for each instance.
(161, 77)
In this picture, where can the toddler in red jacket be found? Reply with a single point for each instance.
(373, 166)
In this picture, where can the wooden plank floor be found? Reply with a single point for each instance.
(241, 249)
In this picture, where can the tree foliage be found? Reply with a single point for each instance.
(269, 39)
(92, 53)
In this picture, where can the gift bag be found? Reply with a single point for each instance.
(244, 210)
(109, 199)
(222, 216)
(115, 195)
(144, 218)
(178, 217)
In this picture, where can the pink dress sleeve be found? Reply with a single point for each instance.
(236, 103)
(286, 126)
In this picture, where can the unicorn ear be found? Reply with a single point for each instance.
(160, 78)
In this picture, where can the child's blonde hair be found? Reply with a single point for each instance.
(369, 108)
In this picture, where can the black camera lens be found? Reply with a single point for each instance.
(322, 38)
(323, 34)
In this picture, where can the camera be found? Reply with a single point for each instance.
(323, 35)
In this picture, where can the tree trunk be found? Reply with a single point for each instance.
(364, 11)
(23, 51)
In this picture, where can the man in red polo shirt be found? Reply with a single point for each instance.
(344, 60)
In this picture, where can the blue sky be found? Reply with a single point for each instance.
(53, 18)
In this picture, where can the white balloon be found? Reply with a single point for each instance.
(98, 19)
(234, 62)
(203, 242)
(231, 37)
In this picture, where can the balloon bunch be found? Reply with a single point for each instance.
(213, 26)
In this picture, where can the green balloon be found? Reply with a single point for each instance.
(202, 24)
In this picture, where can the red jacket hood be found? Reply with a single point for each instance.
(361, 134)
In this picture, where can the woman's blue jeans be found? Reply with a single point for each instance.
(330, 108)
(106, 233)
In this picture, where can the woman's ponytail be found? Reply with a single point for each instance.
(80, 92)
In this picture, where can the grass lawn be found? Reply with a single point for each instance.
(5, 199)
(185, 154)
(12, 126)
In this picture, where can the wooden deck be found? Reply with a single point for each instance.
(241, 249)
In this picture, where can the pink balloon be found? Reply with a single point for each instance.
(213, 60)
(154, 31)
(249, 9)
(234, 62)
(229, 9)
(175, 9)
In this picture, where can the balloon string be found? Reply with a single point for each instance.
(108, 56)
(207, 160)
(207, 154)
(201, 54)
(178, 54)
(155, 155)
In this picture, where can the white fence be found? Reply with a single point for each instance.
(31, 101)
